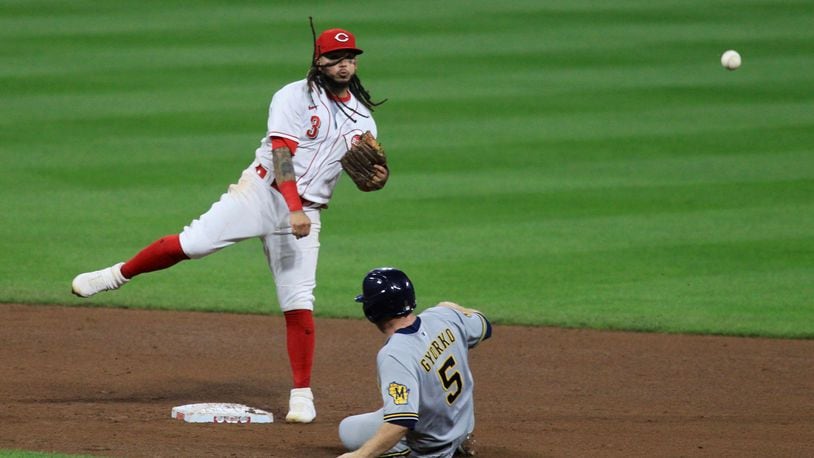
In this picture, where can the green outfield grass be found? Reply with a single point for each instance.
(567, 163)
(24, 454)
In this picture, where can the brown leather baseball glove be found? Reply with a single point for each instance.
(358, 162)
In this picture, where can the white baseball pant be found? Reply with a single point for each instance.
(252, 208)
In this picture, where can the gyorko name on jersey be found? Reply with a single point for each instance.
(437, 346)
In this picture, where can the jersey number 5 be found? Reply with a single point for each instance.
(453, 383)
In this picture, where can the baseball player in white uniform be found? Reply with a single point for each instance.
(423, 372)
(278, 199)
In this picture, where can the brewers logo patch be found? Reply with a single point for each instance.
(399, 393)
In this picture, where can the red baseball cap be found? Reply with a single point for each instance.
(336, 39)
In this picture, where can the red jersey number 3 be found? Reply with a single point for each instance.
(314, 130)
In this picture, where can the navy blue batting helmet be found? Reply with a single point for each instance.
(386, 293)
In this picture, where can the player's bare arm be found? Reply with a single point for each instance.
(284, 171)
(283, 165)
(385, 438)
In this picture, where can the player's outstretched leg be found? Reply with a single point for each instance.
(90, 283)
(161, 254)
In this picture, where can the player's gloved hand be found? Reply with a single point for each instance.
(366, 163)
(300, 224)
(380, 176)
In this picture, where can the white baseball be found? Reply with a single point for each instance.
(731, 60)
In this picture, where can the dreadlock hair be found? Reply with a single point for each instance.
(316, 79)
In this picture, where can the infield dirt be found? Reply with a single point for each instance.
(99, 381)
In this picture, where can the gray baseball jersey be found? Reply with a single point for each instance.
(425, 379)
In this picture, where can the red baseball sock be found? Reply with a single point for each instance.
(162, 253)
(299, 327)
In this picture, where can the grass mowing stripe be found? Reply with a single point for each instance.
(598, 166)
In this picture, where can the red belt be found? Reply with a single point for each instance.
(262, 172)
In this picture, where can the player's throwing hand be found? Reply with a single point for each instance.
(300, 224)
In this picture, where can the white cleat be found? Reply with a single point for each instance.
(90, 283)
(301, 406)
